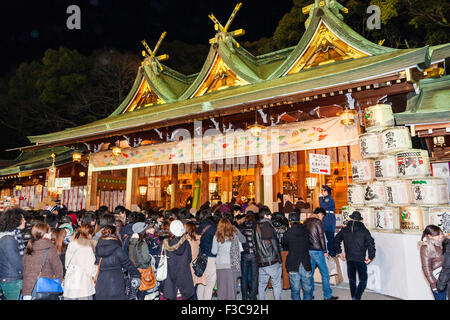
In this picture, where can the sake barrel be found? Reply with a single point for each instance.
(430, 191)
(378, 117)
(369, 145)
(374, 194)
(385, 168)
(362, 171)
(440, 216)
(355, 194)
(387, 219)
(395, 139)
(413, 163)
(398, 192)
(411, 219)
(346, 212)
(368, 215)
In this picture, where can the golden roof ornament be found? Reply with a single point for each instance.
(151, 58)
(222, 32)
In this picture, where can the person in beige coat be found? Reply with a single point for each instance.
(194, 241)
(80, 266)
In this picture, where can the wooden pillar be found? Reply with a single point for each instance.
(204, 191)
(131, 195)
(258, 173)
(270, 163)
(301, 175)
(175, 196)
(91, 189)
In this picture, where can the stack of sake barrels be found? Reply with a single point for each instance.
(392, 185)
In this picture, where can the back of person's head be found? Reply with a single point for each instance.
(225, 230)
(191, 230)
(38, 231)
(65, 219)
(88, 218)
(320, 210)
(11, 219)
(184, 214)
(229, 216)
(107, 219)
(51, 220)
(119, 210)
(37, 218)
(203, 215)
(140, 217)
(250, 216)
(264, 212)
(102, 210)
(431, 230)
(58, 237)
(85, 231)
(109, 232)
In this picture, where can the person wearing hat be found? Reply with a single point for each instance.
(179, 283)
(298, 261)
(358, 243)
(326, 202)
(138, 250)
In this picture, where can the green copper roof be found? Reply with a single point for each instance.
(346, 71)
(38, 159)
(432, 104)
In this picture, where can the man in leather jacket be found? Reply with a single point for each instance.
(267, 249)
(318, 251)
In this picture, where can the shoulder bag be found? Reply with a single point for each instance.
(148, 279)
(46, 288)
(161, 271)
(199, 264)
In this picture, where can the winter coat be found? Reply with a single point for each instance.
(195, 249)
(11, 260)
(179, 276)
(223, 253)
(432, 258)
(80, 269)
(444, 276)
(125, 235)
(267, 247)
(316, 234)
(248, 230)
(296, 241)
(140, 253)
(207, 238)
(32, 264)
(110, 281)
(357, 241)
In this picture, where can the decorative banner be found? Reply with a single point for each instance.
(313, 134)
(319, 163)
(63, 183)
(284, 159)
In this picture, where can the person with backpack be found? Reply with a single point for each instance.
(249, 263)
(359, 252)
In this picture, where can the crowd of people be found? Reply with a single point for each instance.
(185, 254)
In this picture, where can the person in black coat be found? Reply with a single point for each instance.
(298, 261)
(444, 276)
(357, 241)
(179, 257)
(111, 258)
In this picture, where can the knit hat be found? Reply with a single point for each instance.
(138, 227)
(177, 228)
(68, 227)
(294, 217)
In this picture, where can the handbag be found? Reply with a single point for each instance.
(46, 288)
(148, 279)
(332, 267)
(161, 271)
(199, 264)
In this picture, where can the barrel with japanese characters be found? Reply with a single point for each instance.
(430, 191)
(367, 213)
(369, 145)
(385, 168)
(387, 219)
(355, 195)
(374, 194)
(412, 219)
(398, 192)
(378, 117)
(395, 139)
(413, 163)
(362, 171)
(440, 216)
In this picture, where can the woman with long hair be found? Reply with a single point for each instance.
(39, 244)
(194, 241)
(432, 258)
(228, 249)
(80, 265)
(111, 258)
(58, 239)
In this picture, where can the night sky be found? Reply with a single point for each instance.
(28, 28)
